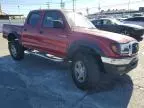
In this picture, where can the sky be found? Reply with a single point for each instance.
(24, 6)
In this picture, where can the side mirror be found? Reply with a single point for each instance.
(58, 24)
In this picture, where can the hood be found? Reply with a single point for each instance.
(132, 26)
(104, 34)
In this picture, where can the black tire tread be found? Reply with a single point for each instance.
(19, 48)
(93, 71)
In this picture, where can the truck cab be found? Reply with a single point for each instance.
(46, 31)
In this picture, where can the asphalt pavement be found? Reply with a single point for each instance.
(39, 83)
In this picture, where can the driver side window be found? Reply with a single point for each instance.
(52, 19)
(99, 22)
(107, 22)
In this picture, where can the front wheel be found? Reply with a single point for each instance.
(85, 71)
(16, 50)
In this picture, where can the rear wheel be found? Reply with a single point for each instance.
(16, 50)
(85, 71)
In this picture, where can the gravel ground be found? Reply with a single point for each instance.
(39, 83)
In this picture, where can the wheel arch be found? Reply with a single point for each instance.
(88, 48)
(13, 36)
(85, 46)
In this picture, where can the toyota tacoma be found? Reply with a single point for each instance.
(71, 37)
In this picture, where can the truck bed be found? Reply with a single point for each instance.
(15, 29)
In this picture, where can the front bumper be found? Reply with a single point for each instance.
(119, 66)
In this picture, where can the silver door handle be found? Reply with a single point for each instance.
(63, 36)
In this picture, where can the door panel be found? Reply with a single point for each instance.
(31, 31)
(29, 37)
(141, 23)
(108, 25)
(112, 28)
(54, 41)
(53, 34)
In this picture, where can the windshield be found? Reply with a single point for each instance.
(115, 21)
(78, 20)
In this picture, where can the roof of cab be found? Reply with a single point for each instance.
(42, 10)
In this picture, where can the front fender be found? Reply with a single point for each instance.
(81, 44)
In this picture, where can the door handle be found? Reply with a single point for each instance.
(41, 32)
(25, 29)
(64, 36)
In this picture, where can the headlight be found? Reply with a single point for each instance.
(115, 48)
(125, 49)
(121, 49)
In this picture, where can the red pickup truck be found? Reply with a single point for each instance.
(72, 37)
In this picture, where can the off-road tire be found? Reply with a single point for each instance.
(19, 54)
(92, 71)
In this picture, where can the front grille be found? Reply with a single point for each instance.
(135, 48)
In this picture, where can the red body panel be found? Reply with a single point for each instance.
(7, 29)
(57, 41)
(102, 38)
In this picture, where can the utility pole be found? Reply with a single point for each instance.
(87, 10)
(0, 9)
(62, 4)
(48, 5)
(73, 5)
(19, 8)
(129, 5)
(99, 6)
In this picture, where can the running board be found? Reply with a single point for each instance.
(44, 55)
